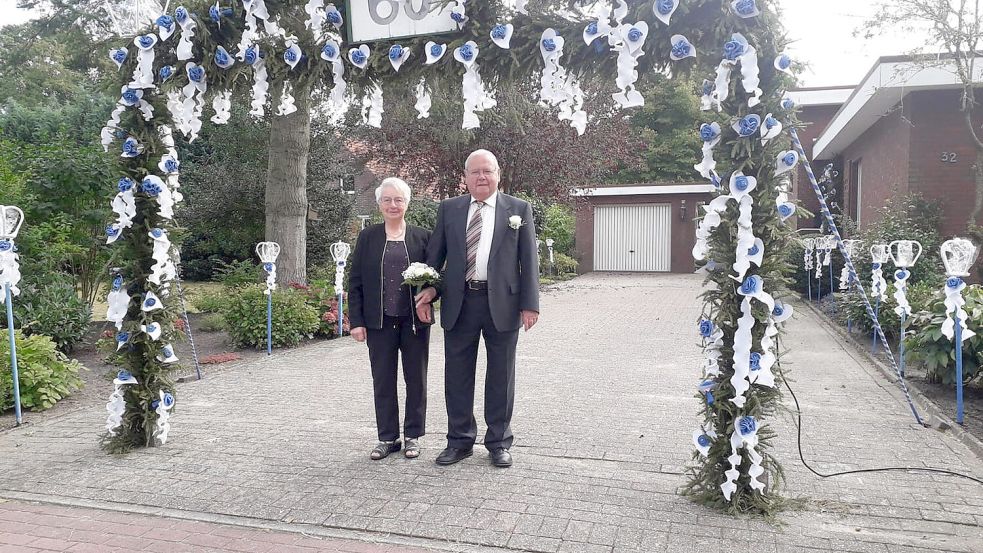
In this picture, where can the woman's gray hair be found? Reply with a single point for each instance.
(393, 182)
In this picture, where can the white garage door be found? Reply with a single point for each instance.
(632, 237)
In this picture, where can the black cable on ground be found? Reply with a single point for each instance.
(798, 425)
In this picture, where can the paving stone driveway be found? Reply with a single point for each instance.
(603, 421)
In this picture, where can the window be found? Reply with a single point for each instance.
(347, 184)
(856, 191)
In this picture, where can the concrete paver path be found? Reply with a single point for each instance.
(605, 409)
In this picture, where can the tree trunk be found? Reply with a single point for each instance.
(286, 188)
(978, 178)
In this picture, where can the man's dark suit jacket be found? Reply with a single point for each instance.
(365, 278)
(513, 263)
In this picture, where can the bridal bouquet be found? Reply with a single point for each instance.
(420, 275)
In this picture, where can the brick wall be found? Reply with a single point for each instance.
(816, 119)
(939, 128)
(883, 155)
(683, 231)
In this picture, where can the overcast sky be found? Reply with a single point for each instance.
(822, 31)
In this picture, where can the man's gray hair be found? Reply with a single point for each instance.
(477, 153)
(396, 183)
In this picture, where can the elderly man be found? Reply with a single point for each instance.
(490, 288)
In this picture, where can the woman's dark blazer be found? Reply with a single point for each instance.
(365, 278)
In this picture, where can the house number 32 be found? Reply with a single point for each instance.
(949, 157)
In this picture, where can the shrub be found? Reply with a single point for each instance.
(53, 309)
(850, 305)
(559, 225)
(936, 352)
(236, 273)
(564, 263)
(46, 374)
(214, 301)
(320, 295)
(213, 322)
(245, 317)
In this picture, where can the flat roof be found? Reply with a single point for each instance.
(887, 82)
(643, 190)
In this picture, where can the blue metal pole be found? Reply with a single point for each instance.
(341, 314)
(809, 274)
(877, 310)
(832, 296)
(901, 346)
(959, 369)
(269, 323)
(819, 290)
(13, 354)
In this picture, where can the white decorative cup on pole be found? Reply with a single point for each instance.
(879, 255)
(904, 254)
(11, 219)
(850, 247)
(340, 251)
(958, 255)
(268, 252)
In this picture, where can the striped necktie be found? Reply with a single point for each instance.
(473, 236)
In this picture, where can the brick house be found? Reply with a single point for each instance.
(899, 131)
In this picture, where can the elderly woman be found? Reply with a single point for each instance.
(382, 313)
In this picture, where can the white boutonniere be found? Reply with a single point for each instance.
(515, 222)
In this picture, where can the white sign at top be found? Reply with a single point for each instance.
(386, 19)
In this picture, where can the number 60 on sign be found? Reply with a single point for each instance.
(386, 19)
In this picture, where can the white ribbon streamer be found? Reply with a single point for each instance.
(9, 268)
(954, 303)
(117, 404)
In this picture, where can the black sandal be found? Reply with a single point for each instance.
(412, 450)
(383, 450)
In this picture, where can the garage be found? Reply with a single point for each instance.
(644, 227)
(632, 237)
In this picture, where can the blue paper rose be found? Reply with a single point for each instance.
(125, 183)
(709, 396)
(118, 282)
(747, 425)
(290, 56)
(707, 87)
(124, 375)
(251, 55)
(5, 245)
(788, 104)
(751, 285)
(707, 133)
(395, 52)
(703, 440)
(122, 336)
(459, 17)
(166, 72)
(467, 52)
(150, 302)
(119, 55)
(151, 328)
(168, 399)
(146, 41)
(953, 282)
(634, 34)
(784, 62)
(131, 148)
(358, 57)
(664, 7)
(150, 187)
(157, 233)
(753, 250)
(181, 14)
(171, 165)
(755, 361)
(770, 122)
(591, 28)
(214, 13)
(268, 267)
(197, 73)
(741, 183)
(706, 328)
(681, 49)
(749, 125)
(901, 274)
(549, 44)
(168, 352)
(165, 21)
(112, 230)
(789, 159)
(329, 51)
(334, 17)
(733, 49)
(745, 8)
(778, 311)
(875, 266)
(436, 50)
(785, 210)
(499, 32)
(221, 58)
(130, 97)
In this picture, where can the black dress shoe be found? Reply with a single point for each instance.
(452, 455)
(500, 457)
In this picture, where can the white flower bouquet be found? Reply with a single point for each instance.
(420, 275)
